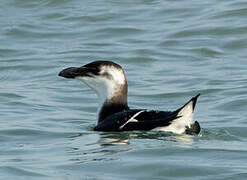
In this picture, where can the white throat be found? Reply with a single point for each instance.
(106, 89)
(110, 86)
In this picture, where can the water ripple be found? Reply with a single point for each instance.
(170, 50)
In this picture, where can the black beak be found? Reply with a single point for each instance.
(70, 72)
(73, 72)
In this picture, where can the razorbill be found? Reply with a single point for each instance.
(108, 80)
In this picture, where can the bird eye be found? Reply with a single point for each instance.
(106, 74)
(94, 71)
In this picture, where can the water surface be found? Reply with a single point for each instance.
(170, 50)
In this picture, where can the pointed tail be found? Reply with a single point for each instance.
(183, 122)
(191, 103)
(185, 115)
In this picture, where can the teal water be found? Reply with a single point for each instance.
(170, 50)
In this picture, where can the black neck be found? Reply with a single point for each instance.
(111, 108)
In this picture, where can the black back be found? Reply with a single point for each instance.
(146, 120)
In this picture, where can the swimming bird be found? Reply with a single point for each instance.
(109, 82)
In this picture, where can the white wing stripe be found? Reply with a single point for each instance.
(132, 119)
